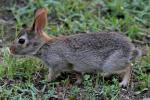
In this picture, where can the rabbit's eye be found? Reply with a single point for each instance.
(21, 41)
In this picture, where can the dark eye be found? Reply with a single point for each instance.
(21, 41)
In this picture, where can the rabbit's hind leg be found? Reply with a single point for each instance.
(118, 64)
(126, 77)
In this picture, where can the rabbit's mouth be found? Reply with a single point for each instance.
(13, 50)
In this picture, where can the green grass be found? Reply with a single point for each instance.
(26, 78)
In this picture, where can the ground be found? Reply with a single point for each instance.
(26, 78)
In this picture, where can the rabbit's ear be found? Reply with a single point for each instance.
(40, 20)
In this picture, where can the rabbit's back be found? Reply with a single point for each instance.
(99, 51)
(98, 41)
(91, 52)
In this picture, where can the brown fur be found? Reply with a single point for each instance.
(46, 37)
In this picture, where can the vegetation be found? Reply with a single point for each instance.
(26, 78)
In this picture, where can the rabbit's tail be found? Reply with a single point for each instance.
(136, 53)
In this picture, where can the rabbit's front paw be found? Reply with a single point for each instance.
(50, 74)
(50, 78)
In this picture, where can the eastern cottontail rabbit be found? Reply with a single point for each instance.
(104, 52)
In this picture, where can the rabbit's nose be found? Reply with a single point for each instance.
(12, 49)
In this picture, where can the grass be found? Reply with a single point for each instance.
(25, 78)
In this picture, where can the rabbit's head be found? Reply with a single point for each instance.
(31, 39)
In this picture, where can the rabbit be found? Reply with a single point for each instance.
(104, 52)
